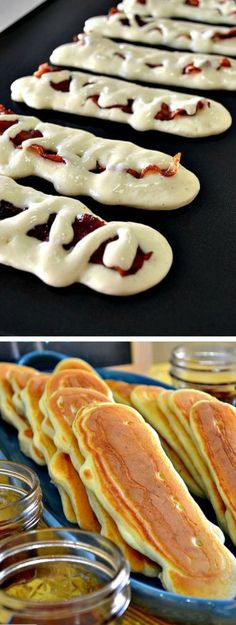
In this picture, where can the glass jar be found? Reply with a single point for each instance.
(20, 498)
(206, 367)
(62, 576)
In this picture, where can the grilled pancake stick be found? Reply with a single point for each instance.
(144, 399)
(181, 402)
(127, 469)
(214, 427)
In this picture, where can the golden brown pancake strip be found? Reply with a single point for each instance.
(134, 480)
(214, 428)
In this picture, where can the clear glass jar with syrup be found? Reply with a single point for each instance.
(206, 367)
(20, 498)
(62, 577)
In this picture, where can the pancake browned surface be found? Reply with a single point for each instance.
(72, 378)
(65, 476)
(62, 408)
(181, 402)
(214, 427)
(74, 363)
(31, 396)
(121, 391)
(134, 480)
(144, 399)
(12, 379)
(137, 561)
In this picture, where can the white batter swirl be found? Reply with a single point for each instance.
(166, 32)
(42, 235)
(108, 98)
(79, 163)
(213, 11)
(184, 69)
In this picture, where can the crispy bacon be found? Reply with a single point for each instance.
(7, 210)
(24, 135)
(45, 68)
(140, 258)
(140, 21)
(42, 231)
(45, 153)
(192, 3)
(63, 85)
(165, 114)
(122, 56)
(112, 11)
(191, 69)
(98, 169)
(82, 226)
(5, 111)
(124, 21)
(150, 169)
(171, 170)
(231, 33)
(152, 65)
(125, 108)
(6, 123)
(224, 63)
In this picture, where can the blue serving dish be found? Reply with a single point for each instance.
(146, 592)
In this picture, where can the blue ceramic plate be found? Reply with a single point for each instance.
(146, 592)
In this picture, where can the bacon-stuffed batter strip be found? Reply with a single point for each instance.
(79, 163)
(108, 98)
(158, 31)
(61, 241)
(215, 11)
(183, 69)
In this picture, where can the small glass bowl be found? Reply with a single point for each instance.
(20, 498)
(62, 555)
(206, 367)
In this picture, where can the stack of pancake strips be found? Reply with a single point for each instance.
(68, 243)
(125, 459)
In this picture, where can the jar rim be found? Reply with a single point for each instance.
(119, 580)
(9, 468)
(205, 354)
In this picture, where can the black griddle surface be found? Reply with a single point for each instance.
(198, 295)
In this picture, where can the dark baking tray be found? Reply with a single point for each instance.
(198, 296)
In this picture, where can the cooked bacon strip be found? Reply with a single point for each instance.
(45, 68)
(231, 33)
(98, 169)
(44, 153)
(24, 135)
(126, 108)
(154, 169)
(165, 114)
(7, 209)
(42, 231)
(193, 3)
(191, 69)
(6, 123)
(63, 85)
(224, 63)
(150, 169)
(83, 225)
(140, 258)
(5, 111)
(122, 56)
(152, 65)
(112, 11)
